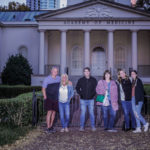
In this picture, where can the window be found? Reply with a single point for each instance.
(23, 51)
(76, 61)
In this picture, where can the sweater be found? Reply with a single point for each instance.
(101, 89)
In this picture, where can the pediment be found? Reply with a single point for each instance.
(96, 9)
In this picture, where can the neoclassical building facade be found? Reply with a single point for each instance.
(98, 34)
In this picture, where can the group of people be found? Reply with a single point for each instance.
(129, 91)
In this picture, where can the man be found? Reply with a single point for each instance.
(50, 90)
(86, 88)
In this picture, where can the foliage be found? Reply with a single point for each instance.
(15, 6)
(7, 91)
(17, 71)
(18, 111)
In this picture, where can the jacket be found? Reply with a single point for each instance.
(101, 89)
(86, 88)
(139, 91)
(127, 88)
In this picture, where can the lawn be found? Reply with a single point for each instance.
(10, 134)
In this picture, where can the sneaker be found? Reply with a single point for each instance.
(48, 130)
(52, 130)
(138, 130)
(127, 129)
(62, 130)
(66, 130)
(81, 129)
(146, 127)
(93, 129)
(112, 130)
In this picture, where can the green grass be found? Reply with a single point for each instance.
(10, 134)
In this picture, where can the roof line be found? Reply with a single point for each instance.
(89, 2)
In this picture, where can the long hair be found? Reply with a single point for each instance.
(134, 82)
(67, 79)
(126, 76)
(107, 71)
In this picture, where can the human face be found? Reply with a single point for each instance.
(54, 72)
(86, 73)
(133, 75)
(64, 80)
(107, 76)
(122, 74)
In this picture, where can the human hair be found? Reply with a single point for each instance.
(67, 79)
(126, 76)
(87, 68)
(107, 71)
(54, 67)
(134, 72)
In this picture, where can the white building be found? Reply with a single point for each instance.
(99, 34)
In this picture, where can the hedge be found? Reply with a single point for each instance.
(17, 111)
(147, 89)
(7, 91)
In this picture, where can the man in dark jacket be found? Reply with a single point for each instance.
(86, 88)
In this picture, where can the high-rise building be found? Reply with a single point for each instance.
(43, 4)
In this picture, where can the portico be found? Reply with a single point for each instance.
(94, 34)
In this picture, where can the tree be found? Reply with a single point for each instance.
(15, 6)
(17, 71)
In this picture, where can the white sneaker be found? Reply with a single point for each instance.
(93, 129)
(62, 130)
(112, 130)
(138, 130)
(66, 130)
(146, 127)
(81, 129)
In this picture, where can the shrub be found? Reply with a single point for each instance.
(17, 71)
(147, 89)
(17, 111)
(7, 91)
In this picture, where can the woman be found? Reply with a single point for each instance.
(108, 88)
(137, 102)
(125, 88)
(65, 94)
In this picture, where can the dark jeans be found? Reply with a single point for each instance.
(108, 123)
(127, 109)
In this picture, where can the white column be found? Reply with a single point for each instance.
(111, 50)
(86, 48)
(63, 52)
(41, 53)
(134, 49)
(46, 48)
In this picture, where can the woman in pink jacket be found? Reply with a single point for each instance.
(108, 88)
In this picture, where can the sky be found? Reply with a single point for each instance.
(5, 2)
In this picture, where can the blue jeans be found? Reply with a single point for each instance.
(108, 124)
(127, 109)
(137, 112)
(84, 104)
(64, 112)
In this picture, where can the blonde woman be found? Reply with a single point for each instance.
(125, 88)
(65, 94)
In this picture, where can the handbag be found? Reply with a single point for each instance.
(100, 98)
